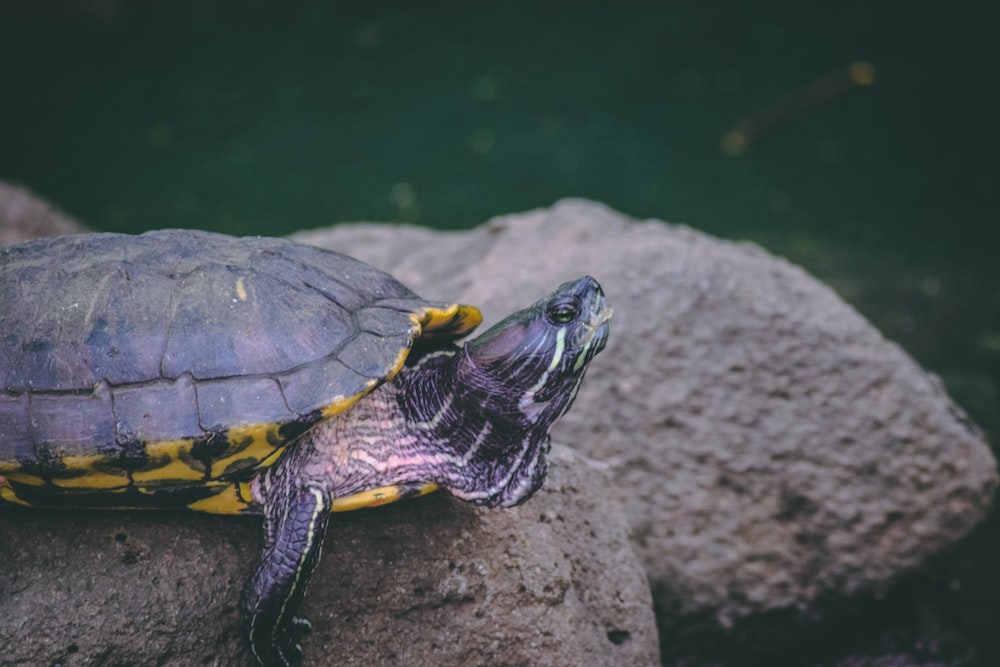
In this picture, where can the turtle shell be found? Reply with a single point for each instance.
(177, 364)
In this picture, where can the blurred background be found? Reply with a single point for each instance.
(858, 139)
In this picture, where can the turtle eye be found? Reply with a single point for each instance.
(563, 312)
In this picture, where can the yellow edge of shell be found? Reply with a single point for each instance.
(452, 321)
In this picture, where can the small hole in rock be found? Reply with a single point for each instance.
(618, 636)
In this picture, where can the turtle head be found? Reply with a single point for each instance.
(522, 375)
(537, 356)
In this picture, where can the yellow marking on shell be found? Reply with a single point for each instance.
(260, 447)
(176, 470)
(457, 319)
(231, 499)
(380, 496)
(24, 478)
(241, 290)
(90, 474)
(8, 467)
(92, 480)
(175, 451)
(7, 494)
(341, 403)
(270, 460)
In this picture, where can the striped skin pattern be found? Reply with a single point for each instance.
(164, 370)
(473, 420)
(202, 372)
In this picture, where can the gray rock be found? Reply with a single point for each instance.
(770, 446)
(433, 581)
(24, 216)
(553, 582)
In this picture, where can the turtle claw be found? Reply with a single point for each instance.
(285, 650)
(301, 625)
(289, 647)
(289, 654)
(290, 553)
(282, 646)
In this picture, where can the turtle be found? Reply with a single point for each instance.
(250, 375)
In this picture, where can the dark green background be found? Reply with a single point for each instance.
(259, 117)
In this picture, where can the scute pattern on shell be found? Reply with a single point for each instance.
(178, 357)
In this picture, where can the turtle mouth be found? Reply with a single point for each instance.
(600, 309)
(527, 370)
(595, 332)
(601, 333)
(602, 321)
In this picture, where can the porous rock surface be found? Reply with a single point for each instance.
(771, 447)
(433, 581)
(554, 582)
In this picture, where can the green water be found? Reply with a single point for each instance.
(254, 118)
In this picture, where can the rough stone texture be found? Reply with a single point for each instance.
(25, 216)
(434, 581)
(772, 448)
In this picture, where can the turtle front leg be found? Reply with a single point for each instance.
(295, 521)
